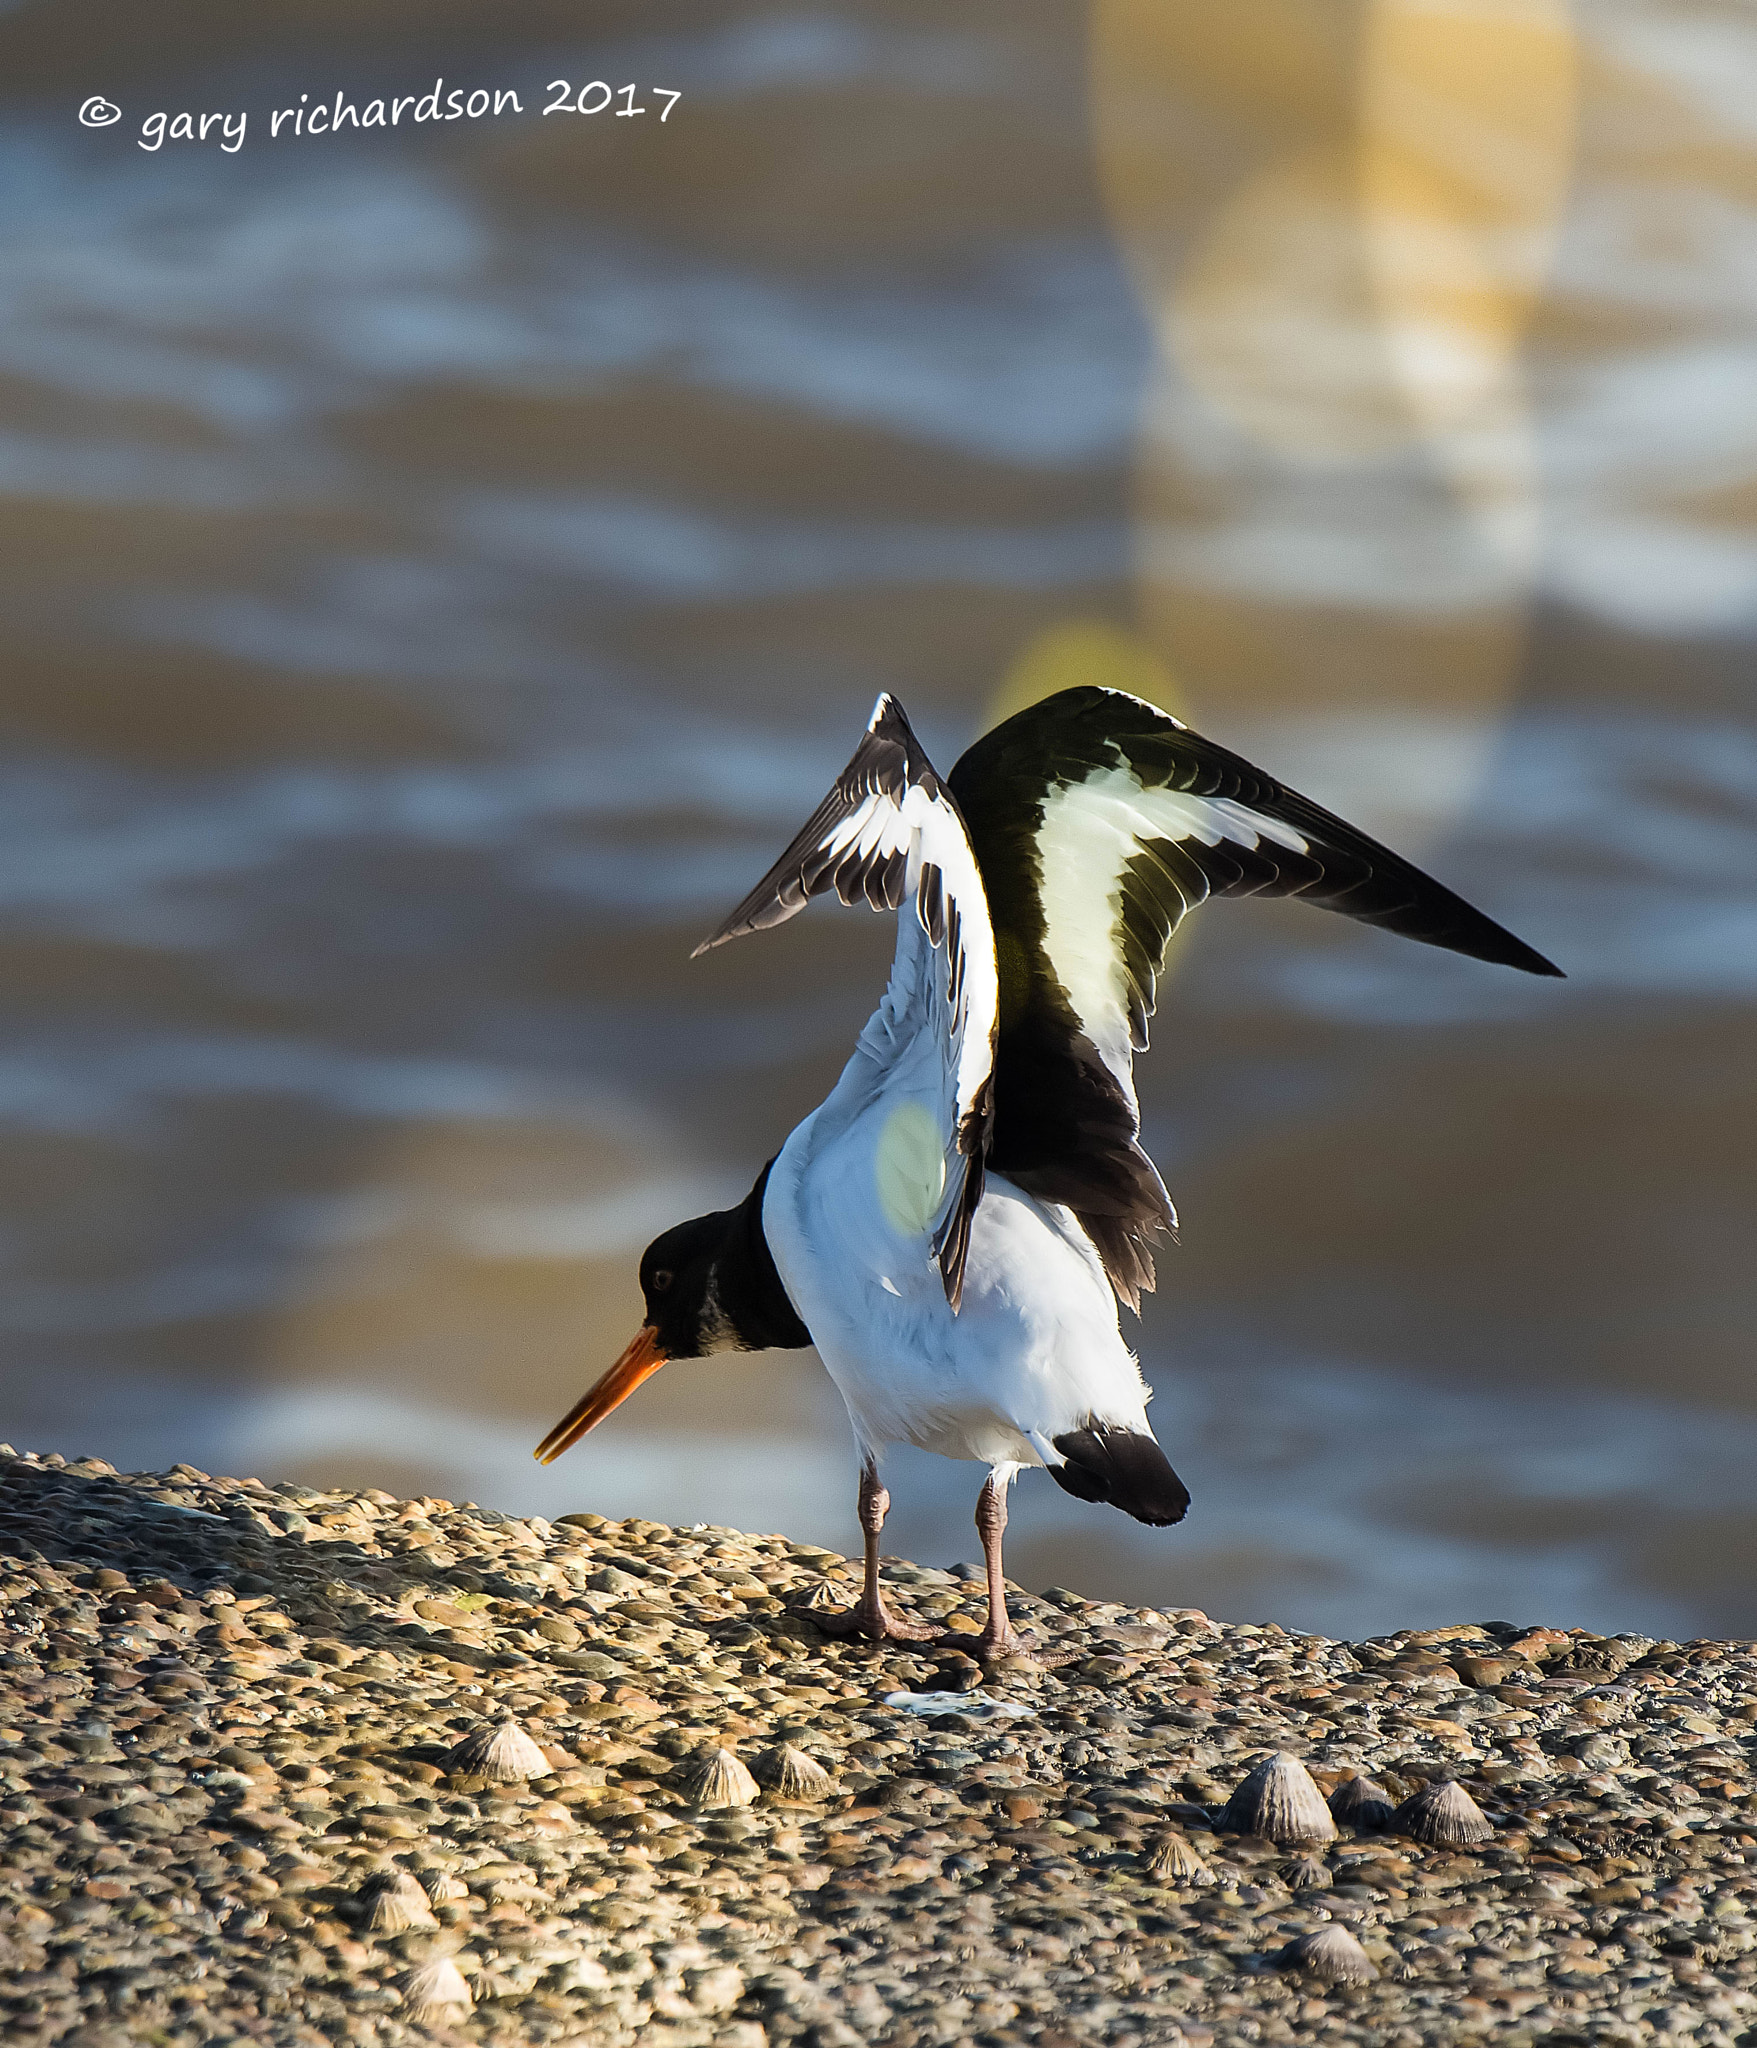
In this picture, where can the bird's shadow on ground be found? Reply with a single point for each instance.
(88, 1521)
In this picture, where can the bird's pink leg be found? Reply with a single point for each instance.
(997, 1639)
(869, 1616)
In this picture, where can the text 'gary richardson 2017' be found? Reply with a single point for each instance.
(333, 117)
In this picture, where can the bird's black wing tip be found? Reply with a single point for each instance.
(746, 919)
(1514, 952)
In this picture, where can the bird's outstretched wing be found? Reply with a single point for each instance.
(1098, 821)
(889, 834)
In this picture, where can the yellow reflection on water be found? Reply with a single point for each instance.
(1274, 319)
(1339, 220)
(1468, 112)
(1369, 274)
(1076, 651)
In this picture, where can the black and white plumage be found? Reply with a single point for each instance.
(1097, 821)
(955, 1225)
(888, 833)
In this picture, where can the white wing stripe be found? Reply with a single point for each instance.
(1175, 814)
(1082, 853)
(935, 834)
(870, 817)
(1090, 832)
(879, 830)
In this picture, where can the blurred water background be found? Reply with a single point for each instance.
(442, 566)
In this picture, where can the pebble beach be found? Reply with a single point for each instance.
(293, 1766)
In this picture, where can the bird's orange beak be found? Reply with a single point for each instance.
(639, 1362)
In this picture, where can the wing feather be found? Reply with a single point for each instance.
(890, 833)
(1099, 822)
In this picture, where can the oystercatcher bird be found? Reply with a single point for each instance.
(955, 1226)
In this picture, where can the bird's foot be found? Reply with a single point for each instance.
(871, 1619)
(1018, 1649)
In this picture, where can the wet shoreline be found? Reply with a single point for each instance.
(229, 1719)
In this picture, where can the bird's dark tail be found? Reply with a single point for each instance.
(1123, 1467)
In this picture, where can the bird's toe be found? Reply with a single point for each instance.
(878, 1625)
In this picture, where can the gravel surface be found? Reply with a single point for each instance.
(231, 1716)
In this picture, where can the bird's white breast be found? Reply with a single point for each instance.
(1034, 1349)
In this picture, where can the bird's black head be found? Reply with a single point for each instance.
(680, 1280)
(710, 1285)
